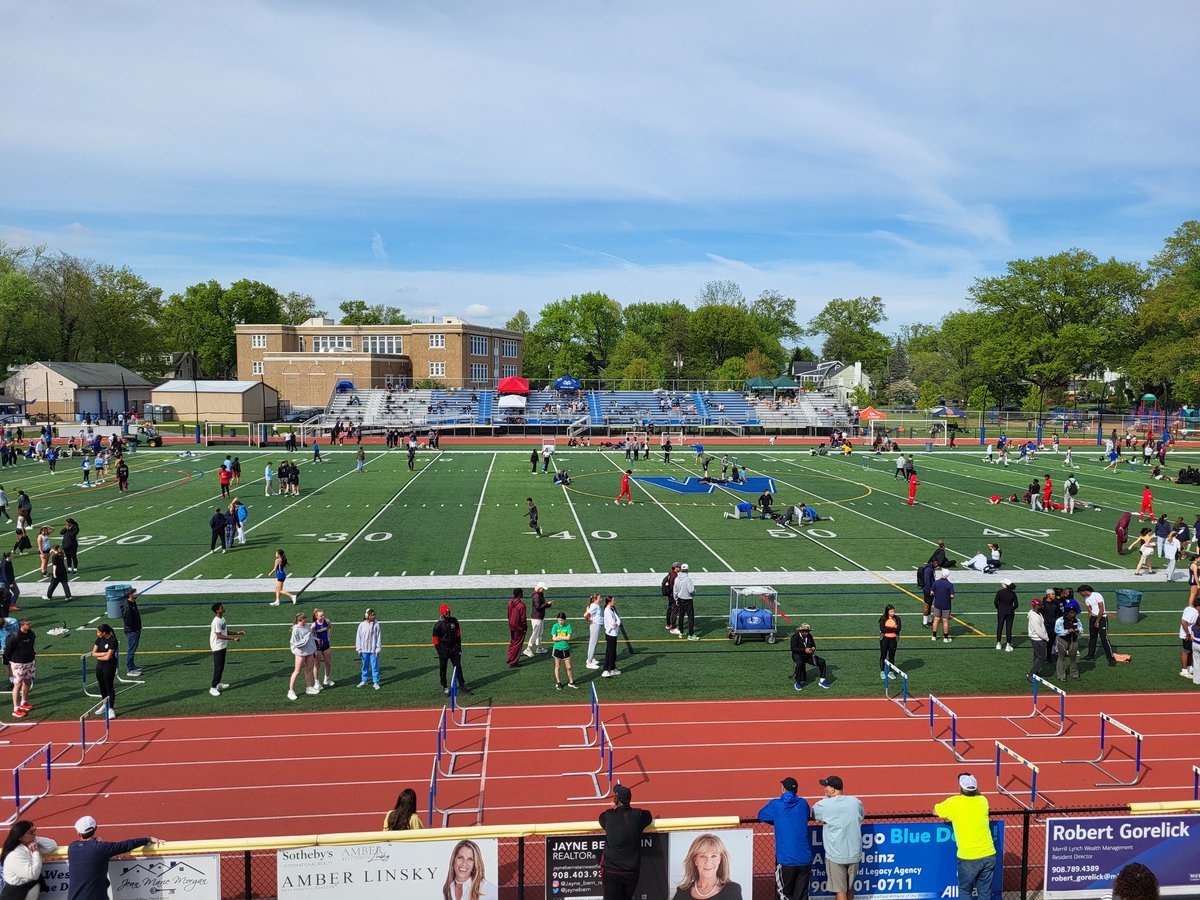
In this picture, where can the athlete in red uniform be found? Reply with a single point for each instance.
(912, 488)
(1047, 489)
(1147, 505)
(625, 488)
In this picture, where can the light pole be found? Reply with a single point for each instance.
(678, 363)
(196, 393)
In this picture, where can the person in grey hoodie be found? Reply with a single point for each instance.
(685, 591)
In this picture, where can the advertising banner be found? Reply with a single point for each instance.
(150, 878)
(1084, 855)
(671, 863)
(416, 870)
(905, 861)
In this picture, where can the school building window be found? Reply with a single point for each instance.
(387, 344)
(478, 345)
(331, 343)
(479, 372)
(437, 341)
(510, 348)
(508, 371)
(437, 369)
(256, 367)
(258, 341)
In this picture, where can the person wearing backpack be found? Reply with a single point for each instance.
(668, 589)
(1070, 490)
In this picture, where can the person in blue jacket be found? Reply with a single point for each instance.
(87, 860)
(789, 814)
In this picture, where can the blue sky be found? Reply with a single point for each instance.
(472, 158)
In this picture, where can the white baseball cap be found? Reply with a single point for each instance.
(968, 783)
(683, 567)
(85, 825)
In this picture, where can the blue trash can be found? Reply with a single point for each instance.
(114, 596)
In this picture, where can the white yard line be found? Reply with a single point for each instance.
(695, 536)
(462, 566)
(304, 498)
(578, 524)
(371, 521)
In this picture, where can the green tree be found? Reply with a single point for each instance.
(929, 396)
(641, 375)
(1049, 318)
(775, 316)
(731, 375)
(859, 397)
(357, 312)
(299, 308)
(902, 392)
(898, 365)
(519, 322)
(721, 293)
(719, 332)
(1165, 332)
(851, 333)
(124, 326)
(574, 335)
(758, 363)
(202, 320)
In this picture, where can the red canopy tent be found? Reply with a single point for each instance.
(513, 386)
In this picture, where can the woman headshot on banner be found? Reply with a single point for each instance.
(465, 879)
(706, 872)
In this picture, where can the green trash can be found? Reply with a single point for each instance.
(114, 596)
(1129, 606)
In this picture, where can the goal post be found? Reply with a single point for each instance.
(677, 439)
(640, 438)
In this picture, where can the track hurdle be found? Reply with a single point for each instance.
(892, 673)
(604, 768)
(1039, 713)
(22, 803)
(437, 773)
(451, 755)
(592, 725)
(952, 745)
(1001, 751)
(1106, 719)
(84, 744)
(83, 664)
(459, 714)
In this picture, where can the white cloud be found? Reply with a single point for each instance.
(478, 311)
(378, 250)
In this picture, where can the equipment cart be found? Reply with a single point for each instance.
(752, 611)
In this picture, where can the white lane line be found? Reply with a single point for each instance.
(578, 524)
(656, 502)
(462, 566)
(372, 520)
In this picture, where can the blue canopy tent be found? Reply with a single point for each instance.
(946, 412)
(343, 386)
(566, 383)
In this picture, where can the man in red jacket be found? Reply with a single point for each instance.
(517, 626)
(912, 488)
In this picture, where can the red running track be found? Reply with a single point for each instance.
(241, 776)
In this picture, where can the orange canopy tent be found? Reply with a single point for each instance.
(871, 414)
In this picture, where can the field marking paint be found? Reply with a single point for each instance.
(578, 524)
(654, 499)
(303, 499)
(346, 546)
(462, 566)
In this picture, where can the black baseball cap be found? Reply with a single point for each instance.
(623, 794)
(789, 784)
(832, 781)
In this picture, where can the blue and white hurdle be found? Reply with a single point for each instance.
(1138, 771)
(1039, 713)
(892, 673)
(952, 744)
(1004, 751)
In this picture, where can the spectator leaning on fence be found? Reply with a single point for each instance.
(793, 853)
(968, 813)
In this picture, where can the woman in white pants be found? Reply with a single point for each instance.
(1171, 553)
(593, 616)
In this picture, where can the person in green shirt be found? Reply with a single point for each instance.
(968, 813)
(560, 635)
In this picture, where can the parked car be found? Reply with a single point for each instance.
(16, 420)
(300, 415)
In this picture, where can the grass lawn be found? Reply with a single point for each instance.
(454, 530)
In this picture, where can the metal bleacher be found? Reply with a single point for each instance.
(663, 409)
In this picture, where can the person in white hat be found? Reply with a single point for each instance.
(87, 860)
(968, 813)
(685, 590)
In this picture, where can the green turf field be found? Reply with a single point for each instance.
(454, 529)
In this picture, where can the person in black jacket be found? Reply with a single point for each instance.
(87, 860)
(70, 544)
(9, 591)
(216, 523)
(1052, 609)
(19, 656)
(804, 654)
(131, 616)
(58, 573)
(622, 857)
(447, 640)
(1006, 611)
